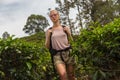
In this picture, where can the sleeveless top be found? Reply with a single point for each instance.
(59, 39)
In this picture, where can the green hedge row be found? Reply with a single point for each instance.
(98, 51)
(21, 60)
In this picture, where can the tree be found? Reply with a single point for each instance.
(105, 11)
(82, 12)
(5, 35)
(64, 12)
(87, 11)
(35, 24)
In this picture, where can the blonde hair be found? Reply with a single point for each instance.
(53, 11)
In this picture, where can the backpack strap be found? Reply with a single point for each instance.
(50, 38)
(51, 35)
(65, 31)
(50, 50)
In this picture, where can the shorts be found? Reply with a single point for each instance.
(64, 57)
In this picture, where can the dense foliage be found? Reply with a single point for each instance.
(35, 24)
(20, 60)
(97, 49)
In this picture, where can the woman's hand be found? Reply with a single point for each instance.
(67, 30)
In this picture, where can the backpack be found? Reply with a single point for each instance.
(53, 51)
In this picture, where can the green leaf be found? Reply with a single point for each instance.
(95, 75)
(29, 65)
(102, 73)
(2, 73)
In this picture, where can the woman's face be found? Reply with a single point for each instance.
(54, 16)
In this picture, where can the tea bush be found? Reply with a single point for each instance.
(98, 51)
(21, 60)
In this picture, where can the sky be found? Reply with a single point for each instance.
(14, 14)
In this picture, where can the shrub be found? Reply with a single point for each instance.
(98, 50)
(20, 60)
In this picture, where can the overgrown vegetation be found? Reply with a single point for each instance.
(97, 50)
(20, 60)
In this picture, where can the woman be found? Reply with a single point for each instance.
(60, 42)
